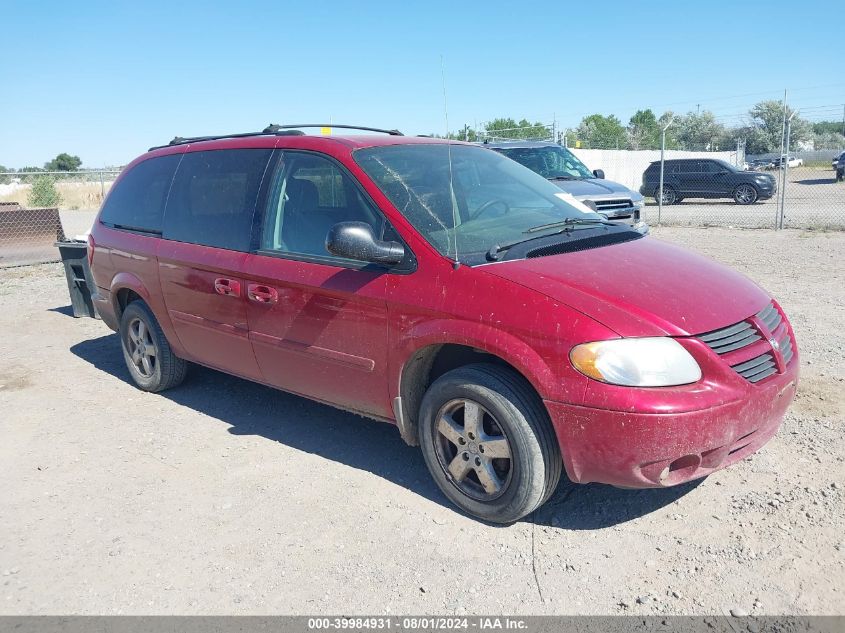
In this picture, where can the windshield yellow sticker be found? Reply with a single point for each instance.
(569, 199)
(326, 131)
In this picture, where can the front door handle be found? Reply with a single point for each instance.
(227, 287)
(262, 294)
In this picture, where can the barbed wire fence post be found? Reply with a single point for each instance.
(662, 153)
(785, 168)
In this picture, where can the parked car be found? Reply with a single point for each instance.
(839, 168)
(835, 160)
(706, 178)
(759, 164)
(446, 289)
(562, 167)
(779, 162)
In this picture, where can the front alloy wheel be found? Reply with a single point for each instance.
(745, 194)
(472, 448)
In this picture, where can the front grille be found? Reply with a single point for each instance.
(770, 316)
(743, 334)
(613, 205)
(730, 338)
(757, 368)
(786, 349)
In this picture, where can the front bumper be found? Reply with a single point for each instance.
(650, 450)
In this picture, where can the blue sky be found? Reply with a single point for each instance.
(105, 80)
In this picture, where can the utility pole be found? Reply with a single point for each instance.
(660, 190)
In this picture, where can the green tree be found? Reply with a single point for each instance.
(602, 132)
(829, 127)
(828, 140)
(699, 131)
(44, 193)
(63, 162)
(523, 129)
(5, 179)
(767, 118)
(643, 130)
(465, 133)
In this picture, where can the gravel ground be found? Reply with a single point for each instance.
(222, 496)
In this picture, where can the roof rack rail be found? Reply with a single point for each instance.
(274, 129)
(278, 130)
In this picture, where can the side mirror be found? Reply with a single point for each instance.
(598, 173)
(355, 240)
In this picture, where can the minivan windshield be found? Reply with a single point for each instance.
(492, 200)
(550, 161)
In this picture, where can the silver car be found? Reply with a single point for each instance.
(561, 166)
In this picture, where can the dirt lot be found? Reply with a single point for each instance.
(223, 496)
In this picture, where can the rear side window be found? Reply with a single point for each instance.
(213, 197)
(137, 200)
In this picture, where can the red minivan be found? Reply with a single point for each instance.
(507, 329)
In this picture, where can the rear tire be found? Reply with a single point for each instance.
(670, 196)
(746, 194)
(488, 442)
(150, 360)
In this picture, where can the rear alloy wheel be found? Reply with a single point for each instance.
(745, 194)
(669, 195)
(151, 363)
(488, 442)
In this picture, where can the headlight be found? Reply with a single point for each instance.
(636, 362)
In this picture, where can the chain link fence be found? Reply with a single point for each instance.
(792, 189)
(39, 208)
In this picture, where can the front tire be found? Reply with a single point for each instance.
(488, 442)
(745, 194)
(150, 360)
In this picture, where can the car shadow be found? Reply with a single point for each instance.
(815, 181)
(596, 506)
(253, 409)
(66, 310)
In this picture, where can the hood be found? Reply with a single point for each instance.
(593, 187)
(645, 287)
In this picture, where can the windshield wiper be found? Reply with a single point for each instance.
(564, 178)
(564, 225)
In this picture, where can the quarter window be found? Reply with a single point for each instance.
(213, 198)
(137, 200)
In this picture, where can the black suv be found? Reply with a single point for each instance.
(706, 178)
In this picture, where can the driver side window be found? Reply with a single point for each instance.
(310, 194)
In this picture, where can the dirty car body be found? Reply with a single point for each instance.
(446, 289)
